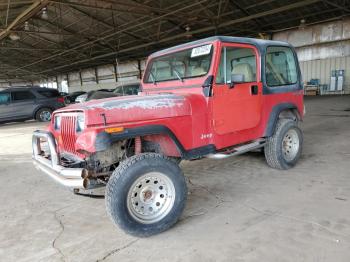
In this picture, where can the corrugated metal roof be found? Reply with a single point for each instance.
(59, 36)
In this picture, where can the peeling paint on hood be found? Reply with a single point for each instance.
(128, 109)
(142, 102)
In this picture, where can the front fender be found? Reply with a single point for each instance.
(93, 141)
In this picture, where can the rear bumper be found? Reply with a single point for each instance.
(73, 178)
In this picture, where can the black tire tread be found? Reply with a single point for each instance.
(117, 174)
(272, 153)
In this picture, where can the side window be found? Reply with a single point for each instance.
(236, 61)
(131, 90)
(280, 66)
(22, 95)
(48, 93)
(119, 90)
(4, 98)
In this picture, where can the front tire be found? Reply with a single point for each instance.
(146, 194)
(283, 149)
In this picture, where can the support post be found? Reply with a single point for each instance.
(96, 75)
(68, 81)
(139, 67)
(80, 78)
(115, 72)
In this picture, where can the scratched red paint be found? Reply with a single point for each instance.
(229, 117)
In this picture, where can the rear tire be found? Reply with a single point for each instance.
(146, 194)
(283, 149)
(43, 114)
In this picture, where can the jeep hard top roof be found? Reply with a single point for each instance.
(259, 43)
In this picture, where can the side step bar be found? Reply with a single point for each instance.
(239, 150)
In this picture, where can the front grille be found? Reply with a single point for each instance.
(68, 132)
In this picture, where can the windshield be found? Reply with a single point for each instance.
(189, 63)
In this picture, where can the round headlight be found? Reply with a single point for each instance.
(80, 123)
(57, 122)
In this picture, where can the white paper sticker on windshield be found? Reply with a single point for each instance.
(201, 50)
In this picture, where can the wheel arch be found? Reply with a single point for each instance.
(104, 140)
(35, 111)
(285, 111)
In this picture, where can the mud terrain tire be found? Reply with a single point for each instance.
(146, 194)
(283, 149)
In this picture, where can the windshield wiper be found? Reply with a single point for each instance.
(178, 75)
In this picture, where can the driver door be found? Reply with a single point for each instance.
(237, 91)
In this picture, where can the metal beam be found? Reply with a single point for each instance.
(340, 7)
(39, 32)
(24, 70)
(245, 12)
(18, 3)
(201, 30)
(142, 7)
(78, 47)
(24, 16)
(29, 49)
(73, 33)
(107, 24)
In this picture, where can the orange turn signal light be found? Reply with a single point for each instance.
(114, 129)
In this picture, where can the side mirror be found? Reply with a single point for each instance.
(236, 79)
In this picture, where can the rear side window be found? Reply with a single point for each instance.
(280, 66)
(48, 93)
(22, 95)
(4, 98)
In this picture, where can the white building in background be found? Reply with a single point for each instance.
(321, 48)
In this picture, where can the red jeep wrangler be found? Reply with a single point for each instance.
(215, 98)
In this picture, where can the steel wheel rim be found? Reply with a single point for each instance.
(290, 145)
(151, 197)
(45, 115)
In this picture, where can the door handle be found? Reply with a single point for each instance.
(254, 89)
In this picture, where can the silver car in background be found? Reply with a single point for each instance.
(24, 103)
(122, 90)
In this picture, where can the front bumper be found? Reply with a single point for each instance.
(73, 178)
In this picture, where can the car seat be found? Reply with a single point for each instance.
(244, 69)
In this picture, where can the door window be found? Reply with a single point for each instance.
(236, 61)
(280, 66)
(49, 93)
(22, 95)
(4, 98)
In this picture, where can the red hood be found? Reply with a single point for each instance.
(133, 108)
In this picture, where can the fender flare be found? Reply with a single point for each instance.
(104, 140)
(274, 114)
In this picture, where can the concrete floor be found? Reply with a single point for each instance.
(238, 208)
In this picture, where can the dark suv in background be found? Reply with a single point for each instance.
(23, 103)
